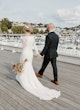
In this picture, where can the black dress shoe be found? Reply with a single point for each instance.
(55, 82)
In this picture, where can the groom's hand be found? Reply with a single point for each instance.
(39, 56)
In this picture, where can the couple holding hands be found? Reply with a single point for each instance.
(28, 78)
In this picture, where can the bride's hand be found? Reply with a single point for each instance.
(39, 56)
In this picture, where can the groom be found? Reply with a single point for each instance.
(50, 53)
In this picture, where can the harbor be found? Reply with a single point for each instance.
(68, 52)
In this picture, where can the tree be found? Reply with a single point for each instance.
(6, 23)
(4, 29)
(66, 28)
(41, 31)
(45, 25)
(17, 29)
(40, 24)
(0, 23)
(35, 31)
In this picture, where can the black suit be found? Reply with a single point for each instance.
(50, 53)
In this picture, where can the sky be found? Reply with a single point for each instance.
(62, 13)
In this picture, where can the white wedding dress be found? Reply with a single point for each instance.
(27, 78)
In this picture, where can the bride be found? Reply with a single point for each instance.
(27, 78)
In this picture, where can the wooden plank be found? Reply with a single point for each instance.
(5, 95)
(5, 104)
(15, 93)
(61, 107)
(1, 107)
(19, 98)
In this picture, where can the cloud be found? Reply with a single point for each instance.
(68, 16)
(77, 11)
(40, 15)
(63, 13)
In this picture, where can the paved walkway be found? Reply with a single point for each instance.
(14, 97)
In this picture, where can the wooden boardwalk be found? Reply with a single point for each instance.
(14, 97)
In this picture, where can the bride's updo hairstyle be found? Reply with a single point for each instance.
(27, 28)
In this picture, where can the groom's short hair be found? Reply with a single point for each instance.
(51, 24)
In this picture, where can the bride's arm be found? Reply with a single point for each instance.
(24, 42)
(35, 48)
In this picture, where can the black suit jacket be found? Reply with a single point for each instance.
(51, 44)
